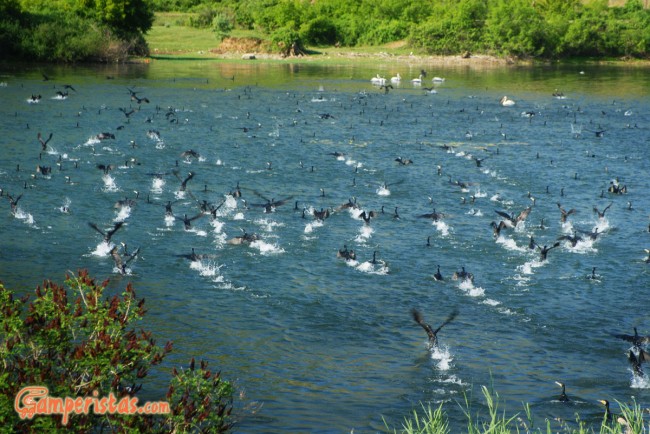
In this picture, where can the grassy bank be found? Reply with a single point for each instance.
(171, 37)
(434, 421)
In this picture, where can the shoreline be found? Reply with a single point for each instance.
(351, 56)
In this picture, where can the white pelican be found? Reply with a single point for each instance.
(396, 79)
(507, 102)
(417, 81)
(378, 80)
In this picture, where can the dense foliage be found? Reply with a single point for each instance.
(78, 343)
(72, 30)
(545, 29)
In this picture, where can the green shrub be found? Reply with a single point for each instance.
(286, 41)
(64, 38)
(382, 32)
(319, 31)
(221, 25)
(76, 342)
(204, 17)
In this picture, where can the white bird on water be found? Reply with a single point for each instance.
(506, 102)
(378, 80)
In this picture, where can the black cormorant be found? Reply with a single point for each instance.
(563, 397)
(433, 334)
(107, 234)
(565, 213)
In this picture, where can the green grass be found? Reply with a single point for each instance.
(171, 36)
(434, 421)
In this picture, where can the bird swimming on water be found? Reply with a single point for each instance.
(608, 416)
(346, 254)
(322, 214)
(463, 275)
(563, 396)
(438, 275)
(105, 136)
(435, 216)
(245, 238)
(506, 102)
(404, 161)
(194, 257)
(431, 333)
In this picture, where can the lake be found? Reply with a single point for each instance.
(314, 342)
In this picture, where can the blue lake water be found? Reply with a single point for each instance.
(315, 343)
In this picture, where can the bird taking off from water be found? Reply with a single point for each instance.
(433, 334)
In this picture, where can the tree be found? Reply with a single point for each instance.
(515, 27)
(127, 17)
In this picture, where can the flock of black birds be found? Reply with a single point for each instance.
(637, 355)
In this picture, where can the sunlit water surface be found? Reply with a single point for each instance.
(315, 343)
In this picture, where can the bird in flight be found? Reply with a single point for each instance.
(433, 334)
(511, 220)
(107, 234)
(43, 141)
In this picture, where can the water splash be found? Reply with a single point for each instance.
(365, 232)
(267, 248)
(198, 232)
(103, 249)
(309, 227)
(639, 381)
(441, 227)
(122, 214)
(26, 217)
(65, 208)
(109, 184)
(379, 267)
(510, 244)
(383, 191)
(206, 268)
(467, 286)
(527, 268)
(442, 356)
(268, 225)
(157, 185)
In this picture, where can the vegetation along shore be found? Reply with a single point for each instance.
(492, 30)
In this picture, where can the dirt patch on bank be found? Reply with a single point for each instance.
(240, 45)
